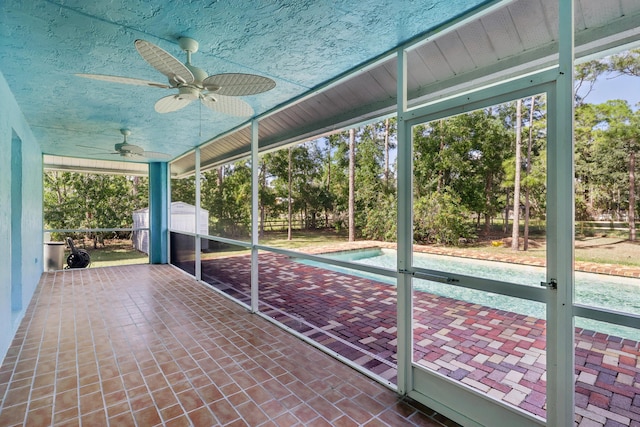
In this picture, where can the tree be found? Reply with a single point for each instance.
(352, 183)
(290, 195)
(516, 183)
(527, 201)
(79, 200)
(618, 146)
(463, 155)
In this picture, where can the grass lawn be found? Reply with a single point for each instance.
(114, 252)
(301, 239)
(599, 249)
(278, 239)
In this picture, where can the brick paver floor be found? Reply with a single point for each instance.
(494, 351)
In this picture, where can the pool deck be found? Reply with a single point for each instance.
(499, 353)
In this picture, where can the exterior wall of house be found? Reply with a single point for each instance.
(21, 246)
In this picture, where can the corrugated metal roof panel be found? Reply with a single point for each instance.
(595, 13)
(502, 32)
(475, 38)
(531, 23)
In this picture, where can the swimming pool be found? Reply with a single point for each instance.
(610, 292)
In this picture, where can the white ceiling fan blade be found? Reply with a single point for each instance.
(227, 105)
(101, 153)
(123, 80)
(164, 62)
(237, 84)
(171, 103)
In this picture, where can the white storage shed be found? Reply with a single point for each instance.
(182, 219)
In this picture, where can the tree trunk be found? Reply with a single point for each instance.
(516, 181)
(220, 176)
(440, 171)
(352, 183)
(505, 226)
(290, 215)
(488, 189)
(527, 203)
(632, 196)
(263, 185)
(386, 154)
(326, 211)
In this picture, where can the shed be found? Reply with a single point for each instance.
(182, 219)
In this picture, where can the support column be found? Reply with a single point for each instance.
(158, 212)
(560, 231)
(254, 216)
(405, 235)
(198, 242)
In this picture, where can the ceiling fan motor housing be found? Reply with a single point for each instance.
(189, 93)
(127, 150)
(198, 74)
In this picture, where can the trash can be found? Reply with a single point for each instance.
(53, 256)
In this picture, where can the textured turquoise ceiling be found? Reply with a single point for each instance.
(299, 44)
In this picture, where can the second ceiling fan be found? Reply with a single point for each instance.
(218, 92)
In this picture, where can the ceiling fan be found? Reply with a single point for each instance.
(125, 149)
(217, 92)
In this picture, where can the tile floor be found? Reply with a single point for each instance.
(147, 345)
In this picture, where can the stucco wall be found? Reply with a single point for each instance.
(12, 125)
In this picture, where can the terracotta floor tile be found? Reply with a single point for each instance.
(65, 416)
(66, 384)
(97, 418)
(124, 419)
(116, 397)
(355, 411)
(190, 400)
(238, 423)
(224, 411)
(164, 398)
(66, 400)
(40, 417)
(40, 403)
(112, 385)
(238, 398)
(147, 417)
(118, 408)
(172, 412)
(12, 415)
(141, 402)
(210, 393)
(181, 421)
(89, 389)
(202, 417)
(304, 413)
(16, 396)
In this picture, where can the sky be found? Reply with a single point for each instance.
(608, 87)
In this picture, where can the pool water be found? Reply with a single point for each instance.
(605, 291)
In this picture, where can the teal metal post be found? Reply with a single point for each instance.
(198, 242)
(158, 212)
(405, 235)
(560, 240)
(254, 217)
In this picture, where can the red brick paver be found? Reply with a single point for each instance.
(494, 351)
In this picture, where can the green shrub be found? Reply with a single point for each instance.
(441, 218)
